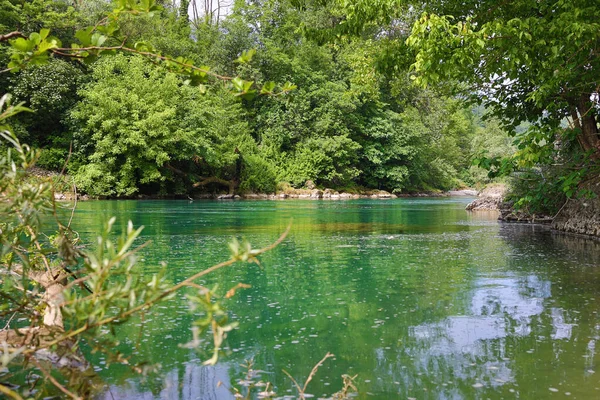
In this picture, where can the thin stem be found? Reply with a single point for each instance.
(314, 370)
(9, 393)
(56, 383)
(9, 321)
(300, 391)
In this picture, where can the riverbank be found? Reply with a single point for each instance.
(579, 216)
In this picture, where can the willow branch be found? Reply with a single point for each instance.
(75, 53)
(56, 383)
(161, 296)
(11, 394)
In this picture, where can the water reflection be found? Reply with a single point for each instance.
(417, 297)
(193, 382)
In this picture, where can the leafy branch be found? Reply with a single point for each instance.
(36, 49)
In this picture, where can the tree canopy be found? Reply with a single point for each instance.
(171, 128)
(526, 62)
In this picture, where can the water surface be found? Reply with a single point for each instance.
(417, 297)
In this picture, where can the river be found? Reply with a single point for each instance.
(416, 297)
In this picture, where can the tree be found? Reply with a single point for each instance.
(137, 123)
(49, 90)
(207, 11)
(345, 126)
(525, 60)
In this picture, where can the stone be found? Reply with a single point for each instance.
(489, 198)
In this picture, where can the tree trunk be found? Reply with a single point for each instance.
(54, 284)
(590, 140)
(213, 179)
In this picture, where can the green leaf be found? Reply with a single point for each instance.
(44, 33)
(84, 36)
(246, 56)
(21, 44)
(268, 87)
(238, 83)
(98, 39)
(35, 37)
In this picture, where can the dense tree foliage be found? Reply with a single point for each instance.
(354, 121)
(526, 62)
(138, 126)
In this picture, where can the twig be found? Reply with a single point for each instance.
(314, 370)
(9, 393)
(75, 52)
(74, 204)
(563, 206)
(8, 323)
(56, 383)
(310, 376)
(300, 392)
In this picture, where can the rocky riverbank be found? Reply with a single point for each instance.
(581, 215)
(492, 198)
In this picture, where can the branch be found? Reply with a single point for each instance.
(212, 179)
(56, 383)
(75, 53)
(9, 393)
(4, 38)
(148, 303)
(314, 370)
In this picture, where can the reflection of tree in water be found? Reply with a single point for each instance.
(451, 355)
(191, 382)
(536, 313)
(571, 247)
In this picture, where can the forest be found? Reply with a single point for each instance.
(354, 120)
(342, 94)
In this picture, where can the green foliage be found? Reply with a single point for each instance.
(526, 62)
(50, 90)
(130, 121)
(258, 175)
(135, 120)
(354, 119)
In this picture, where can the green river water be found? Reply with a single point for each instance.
(417, 297)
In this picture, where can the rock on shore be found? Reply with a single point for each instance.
(315, 194)
(489, 198)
